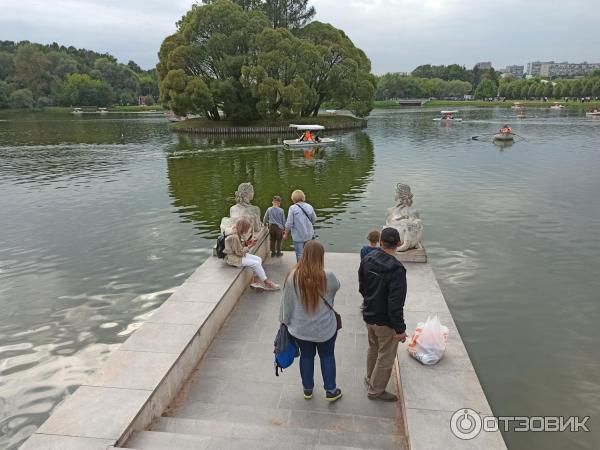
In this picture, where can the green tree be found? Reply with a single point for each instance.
(5, 91)
(246, 70)
(31, 69)
(548, 90)
(82, 90)
(576, 89)
(340, 73)
(212, 44)
(596, 89)
(486, 89)
(288, 13)
(588, 87)
(7, 65)
(21, 99)
(123, 81)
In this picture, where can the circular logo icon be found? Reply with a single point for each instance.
(465, 424)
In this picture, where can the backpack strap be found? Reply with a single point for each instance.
(305, 213)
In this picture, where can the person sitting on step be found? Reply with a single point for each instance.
(237, 254)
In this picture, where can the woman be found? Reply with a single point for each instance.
(237, 249)
(300, 220)
(309, 320)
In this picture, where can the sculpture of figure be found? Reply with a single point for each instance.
(406, 219)
(243, 207)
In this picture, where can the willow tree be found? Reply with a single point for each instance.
(227, 61)
(209, 49)
(341, 72)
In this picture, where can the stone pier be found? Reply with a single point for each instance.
(199, 375)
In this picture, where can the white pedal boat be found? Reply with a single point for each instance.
(303, 142)
(448, 116)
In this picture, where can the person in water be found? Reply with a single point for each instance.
(506, 129)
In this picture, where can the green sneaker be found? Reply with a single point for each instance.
(333, 396)
(307, 394)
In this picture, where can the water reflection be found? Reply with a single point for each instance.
(204, 173)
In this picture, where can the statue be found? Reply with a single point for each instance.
(243, 207)
(405, 219)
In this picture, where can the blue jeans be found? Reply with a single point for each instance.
(307, 362)
(298, 247)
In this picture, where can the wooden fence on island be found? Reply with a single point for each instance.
(283, 129)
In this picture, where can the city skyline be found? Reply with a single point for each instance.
(433, 32)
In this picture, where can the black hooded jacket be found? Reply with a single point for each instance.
(382, 283)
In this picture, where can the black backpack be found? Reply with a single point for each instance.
(221, 246)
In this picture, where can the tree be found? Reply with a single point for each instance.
(486, 89)
(31, 69)
(82, 90)
(576, 88)
(212, 44)
(123, 81)
(548, 90)
(5, 92)
(21, 99)
(588, 87)
(340, 72)
(243, 69)
(288, 13)
(7, 65)
(596, 89)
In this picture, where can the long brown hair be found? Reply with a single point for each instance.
(309, 276)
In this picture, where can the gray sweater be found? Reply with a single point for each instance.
(317, 327)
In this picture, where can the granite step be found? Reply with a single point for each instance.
(266, 435)
(157, 440)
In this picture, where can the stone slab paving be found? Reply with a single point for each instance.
(234, 399)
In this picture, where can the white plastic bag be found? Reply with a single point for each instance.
(429, 341)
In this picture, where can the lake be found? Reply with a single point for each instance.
(101, 217)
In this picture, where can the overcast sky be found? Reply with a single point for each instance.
(397, 35)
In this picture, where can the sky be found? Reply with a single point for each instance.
(397, 35)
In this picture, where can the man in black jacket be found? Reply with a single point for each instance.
(382, 283)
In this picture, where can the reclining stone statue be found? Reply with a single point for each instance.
(406, 219)
(243, 207)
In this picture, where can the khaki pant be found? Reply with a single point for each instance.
(380, 357)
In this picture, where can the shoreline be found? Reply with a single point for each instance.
(204, 126)
(392, 104)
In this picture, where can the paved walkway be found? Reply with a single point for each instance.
(234, 399)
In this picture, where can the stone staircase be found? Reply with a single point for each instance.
(234, 400)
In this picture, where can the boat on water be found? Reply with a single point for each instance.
(102, 111)
(77, 111)
(308, 137)
(557, 105)
(517, 105)
(504, 135)
(592, 112)
(448, 116)
(172, 117)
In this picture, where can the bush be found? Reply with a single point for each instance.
(21, 99)
(42, 102)
(149, 100)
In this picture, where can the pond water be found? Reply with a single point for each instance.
(102, 216)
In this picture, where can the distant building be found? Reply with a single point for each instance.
(565, 69)
(486, 65)
(533, 68)
(515, 71)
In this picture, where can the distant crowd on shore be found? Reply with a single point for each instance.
(309, 290)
